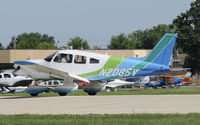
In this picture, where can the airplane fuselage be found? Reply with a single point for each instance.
(105, 66)
(75, 65)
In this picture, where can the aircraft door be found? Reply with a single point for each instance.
(80, 63)
(63, 62)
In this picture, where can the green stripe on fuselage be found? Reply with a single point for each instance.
(112, 63)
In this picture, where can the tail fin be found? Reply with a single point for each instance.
(143, 80)
(161, 53)
(188, 74)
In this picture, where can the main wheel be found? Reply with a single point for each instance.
(92, 93)
(62, 94)
(34, 94)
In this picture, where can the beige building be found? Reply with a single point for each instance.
(9, 56)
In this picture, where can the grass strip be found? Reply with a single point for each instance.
(95, 119)
(127, 91)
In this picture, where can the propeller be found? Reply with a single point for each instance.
(16, 68)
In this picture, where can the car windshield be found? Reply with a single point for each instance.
(49, 58)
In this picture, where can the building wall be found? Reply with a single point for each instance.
(4, 56)
(9, 56)
(28, 54)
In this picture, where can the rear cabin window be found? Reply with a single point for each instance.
(7, 76)
(80, 59)
(94, 61)
(63, 58)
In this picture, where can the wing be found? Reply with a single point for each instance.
(39, 71)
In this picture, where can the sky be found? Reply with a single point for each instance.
(93, 20)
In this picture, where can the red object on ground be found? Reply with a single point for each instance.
(186, 80)
(199, 81)
(82, 83)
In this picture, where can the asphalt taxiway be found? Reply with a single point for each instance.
(128, 104)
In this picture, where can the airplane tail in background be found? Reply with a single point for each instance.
(162, 52)
(188, 74)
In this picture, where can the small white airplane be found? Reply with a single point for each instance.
(138, 82)
(18, 89)
(52, 83)
(8, 79)
(75, 65)
(141, 81)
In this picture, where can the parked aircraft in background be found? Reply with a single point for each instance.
(138, 82)
(13, 89)
(75, 65)
(168, 80)
(51, 83)
(10, 80)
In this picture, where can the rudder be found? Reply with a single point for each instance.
(161, 53)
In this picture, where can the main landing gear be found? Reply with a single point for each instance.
(62, 94)
(34, 94)
(92, 93)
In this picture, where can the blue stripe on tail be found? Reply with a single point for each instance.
(162, 52)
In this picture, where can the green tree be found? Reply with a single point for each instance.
(78, 43)
(32, 41)
(188, 28)
(121, 41)
(148, 38)
(137, 37)
(1, 46)
(12, 44)
(45, 45)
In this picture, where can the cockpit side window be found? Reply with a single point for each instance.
(7, 76)
(94, 61)
(63, 58)
(50, 83)
(80, 59)
(0, 76)
(56, 83)
(49, 58)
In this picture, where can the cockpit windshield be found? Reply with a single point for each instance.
(49, 58)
